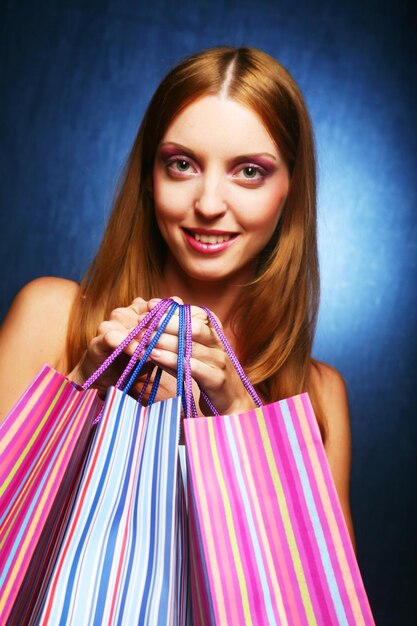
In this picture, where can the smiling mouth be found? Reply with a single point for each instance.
(211, 239)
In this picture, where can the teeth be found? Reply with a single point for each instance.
(211, 238)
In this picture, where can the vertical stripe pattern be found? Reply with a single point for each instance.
(268, 541)
(124, 554)
(42, 444)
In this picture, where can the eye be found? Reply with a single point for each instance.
(179, 166)
(250, 174)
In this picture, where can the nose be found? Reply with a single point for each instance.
(210, 202)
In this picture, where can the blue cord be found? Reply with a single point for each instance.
(150, 347)
(181, 353)
(155, 386)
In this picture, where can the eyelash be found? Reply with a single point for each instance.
(261, 172)
(171, 162)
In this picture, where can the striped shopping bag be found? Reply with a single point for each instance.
(43, 442)
(122, 558)
(268, 541)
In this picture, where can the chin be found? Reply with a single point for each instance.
(237, 276)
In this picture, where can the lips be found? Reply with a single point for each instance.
(209, 241)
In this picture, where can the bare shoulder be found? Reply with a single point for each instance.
(332, 395)
(40, 290)
(41, 309)
(331, 388)
(328, 380)
(33, 333)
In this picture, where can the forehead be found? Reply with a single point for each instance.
(221, 124)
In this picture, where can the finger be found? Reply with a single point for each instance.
(218, 379)
(214, 358)
(167, 342)
(198, 312)
(139, 306)
(152, 303)
(114, 338)
(166, 359)
(222, 385)
(110, 335)
(200, 331)
(210, 377)
(176, 299)
(125, 316)
(122, 321)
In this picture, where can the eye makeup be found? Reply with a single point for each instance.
(176, 159)
(267, 166)
(180, 161)
(253, 172)
(173, 152)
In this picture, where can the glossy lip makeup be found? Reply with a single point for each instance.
(209, 241)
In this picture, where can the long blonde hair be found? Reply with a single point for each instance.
(276, 314)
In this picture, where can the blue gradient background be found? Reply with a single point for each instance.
(75, 79)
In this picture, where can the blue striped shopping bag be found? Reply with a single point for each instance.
(123, 559)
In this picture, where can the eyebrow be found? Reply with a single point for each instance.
(241, 157)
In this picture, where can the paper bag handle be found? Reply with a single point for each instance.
(184, 378)
(229, 350)
(156, 314)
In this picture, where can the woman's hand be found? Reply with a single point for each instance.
(210, 365)
(109, 336)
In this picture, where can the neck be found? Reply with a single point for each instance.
(219, 296)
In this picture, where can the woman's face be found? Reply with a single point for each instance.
(219, 185)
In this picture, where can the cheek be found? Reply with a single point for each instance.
(159, 193)
(265, 209)
(275, 201)
(169, 199)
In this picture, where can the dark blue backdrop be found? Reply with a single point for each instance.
(76, 77)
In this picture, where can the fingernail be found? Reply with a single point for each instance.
(152, 303)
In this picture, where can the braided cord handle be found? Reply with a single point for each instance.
(180, 376)
(181, 353)
(143, 343)
(190, 405)
(145, 346)
(190, 408)
(154, 389)
(172, 307)
(245, 380)
(159, 309)
(153, 318)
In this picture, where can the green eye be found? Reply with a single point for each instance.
(182, 165)
(250, 172)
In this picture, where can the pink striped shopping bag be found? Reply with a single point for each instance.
(269, 544)
(43, 442)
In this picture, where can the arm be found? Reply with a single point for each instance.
(33, 333)
(334, 402)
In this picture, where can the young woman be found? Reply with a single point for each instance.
(217, 208)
